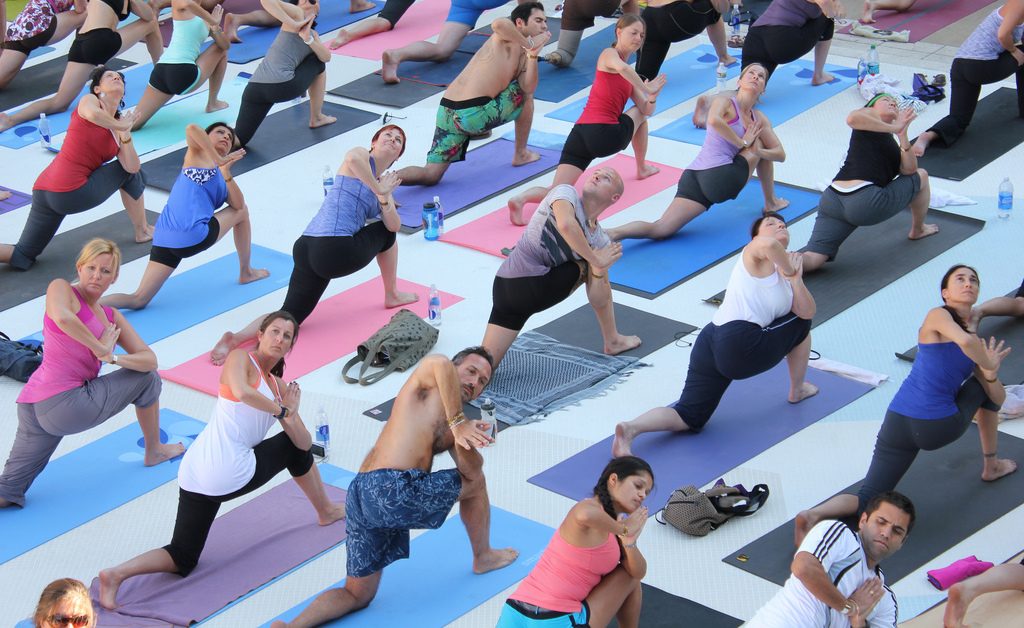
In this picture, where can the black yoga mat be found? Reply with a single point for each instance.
(1007, 328)
(951, 500)
(579, 328)
(280, 135)
(382, 412)
(42, 79)
(664, 610)
(372, 89)
(874, 257)
(58, 260)
(995, 129)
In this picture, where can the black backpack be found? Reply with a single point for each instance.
(17, 359)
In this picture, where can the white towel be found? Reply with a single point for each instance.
(940, 198)
(863, 30)
(1013, 407)
(851, 372)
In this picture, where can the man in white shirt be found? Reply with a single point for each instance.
(836, 581)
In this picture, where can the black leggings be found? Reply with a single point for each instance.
(901, 437)
(258, 98)
(50, 208)
(318, 260)
(771, 46)
(516, 299)
(669, 24)
(966, 78)
(394, 10)
(586, 142)
(196, 511)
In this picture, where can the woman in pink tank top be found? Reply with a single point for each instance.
(67, 395)
(591, 570)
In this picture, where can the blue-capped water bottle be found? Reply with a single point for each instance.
(44, 131)
(323, 432)
(434, 307)
(431, 228)
(440, 215)
(328, 180)
(1005, 199)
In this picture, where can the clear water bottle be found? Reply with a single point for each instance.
(431, 228)
(440, 216)
(720, 73)
(328, 179)
(44, 131)
(734, 20)
(873, 67)
(323, 432)
(1005, 199)
(862, 69)
(488, 414)
(434, 307)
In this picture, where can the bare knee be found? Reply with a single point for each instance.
(361, 596)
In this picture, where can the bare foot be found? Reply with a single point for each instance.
(253, 274)
(805, 520)
(920, 144)
(145, 235)
(621, 343)
(524, 157)
(925, 231)
(5, 122)
(777, 205)
(623, 442)
(494, 559)
(355, 6)
(339, 40)
(163, 453)
(109, 584)
(806, 390)
(956, 606)
(647, 170)
(321, 120)
(728, 59)
(515, 211)
(395, 299)
(389, 67)
(996, 468)
(231, 28)
(556, 60)
(216, 105)
(868, 15)
(335, 512)
(4, 195)
(700, 114)
(222, 348)
(823, 79)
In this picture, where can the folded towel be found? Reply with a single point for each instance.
(959, 571)
(1013, 407)
(849, 371)
(863, 30)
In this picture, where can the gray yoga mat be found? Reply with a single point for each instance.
(579, 328)
(874, 257)
(372, 89)
(281, 134)
(42, 79)
(382, 412)
(1006, 328)
(664, 610)
(951, 500)
(995, 129)
(58, 260)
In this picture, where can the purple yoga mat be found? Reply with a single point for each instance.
(247, 548)
(926, 16)
(753, 416)
(17, 199)
(486, 172)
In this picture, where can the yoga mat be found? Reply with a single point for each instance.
(1002, 608)
(493, 232)
(58, 260)
(437, 582)
(649, 268)
(382, 412)
(736, 433)
(42, 79)
(249, 547)
(789, 94)
(281, 134)
(664, 610)
(486, 172)
(876, 256)
(556, 84)
(1007, 328)
(90, 481)
(995, 130)
(230, 6)
(17, 199)
(690, 74)
(419, 80)
(333, 331)
(925, 17)
(27, 133)
(579, 328)
(423, 21)
(964, 505)
(256, 40)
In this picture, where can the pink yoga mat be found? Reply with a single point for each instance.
(421, 22)
(494, 231)
(925, 17)
(248, 547)
(333, 331)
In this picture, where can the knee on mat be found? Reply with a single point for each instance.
(184, 561)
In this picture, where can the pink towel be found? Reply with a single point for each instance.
(959, 571)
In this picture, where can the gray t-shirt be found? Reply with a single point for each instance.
(542, 247)
(285, 54)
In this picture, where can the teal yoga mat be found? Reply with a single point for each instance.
(256, 40)
(649, 268)
(437, 582)
(789, 94)
(90, 481)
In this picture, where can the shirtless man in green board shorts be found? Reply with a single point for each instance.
(496, 87)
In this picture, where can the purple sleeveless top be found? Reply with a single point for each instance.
(717, 151)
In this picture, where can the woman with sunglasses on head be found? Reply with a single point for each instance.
(295, 64)
(40, 23)
(64, 603)
(82, 176)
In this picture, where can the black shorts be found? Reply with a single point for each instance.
(589, 141)
(515, 300)
(95, 47)
(578, 15)
(394, 10)
(714, 185)
(26, 46)
(172, 257)
(174, 78)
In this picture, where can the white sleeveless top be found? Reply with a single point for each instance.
(759, 300)
(221, 459)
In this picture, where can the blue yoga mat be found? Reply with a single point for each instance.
(40, 51)
(648, 268)
(738, 431)
(27, 133)
(437, 582)
(90, 481)
(789, 94)
(556, 84)
(256, 40)
(690, 74)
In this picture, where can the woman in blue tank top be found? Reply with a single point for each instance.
(955, 378)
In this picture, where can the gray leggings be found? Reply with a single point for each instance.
(49, 208)
(43, 424)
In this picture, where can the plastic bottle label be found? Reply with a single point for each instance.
(1005, 201)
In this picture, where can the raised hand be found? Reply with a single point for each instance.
(608, 255)
(389, 181)
(470, 434)
(539, 41)
(866, 597)
(996, 351)
(216, 15)
(653, 86)
(904, 118)
(225, 162)
(634, 523)
(291, 398)
(108, 340)
(753, 131)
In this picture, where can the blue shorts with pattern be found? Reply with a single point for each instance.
(383, 505)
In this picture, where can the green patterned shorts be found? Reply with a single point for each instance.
(456, 125)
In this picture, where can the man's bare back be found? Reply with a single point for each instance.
(492, 68)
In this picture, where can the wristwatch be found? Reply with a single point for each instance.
(282, 414)
(113, 358)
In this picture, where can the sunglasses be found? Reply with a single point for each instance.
(78, 621)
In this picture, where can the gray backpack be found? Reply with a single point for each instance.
(396, 346)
